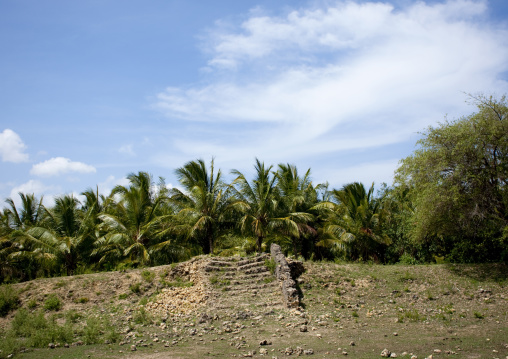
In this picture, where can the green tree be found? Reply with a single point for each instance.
(17, 258)
(205, 205)
(28, 215)
(458, 179)
(259, 204)
(296, 196)
(354, 223)
(133, 223)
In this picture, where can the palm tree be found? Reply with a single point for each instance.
(59, 239)
(355, 222)
(17, 257)
(205, 205)
(131, 224)
(259, 203)
(28, 216)
(296, 197)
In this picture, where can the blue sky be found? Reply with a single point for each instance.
(91, 91)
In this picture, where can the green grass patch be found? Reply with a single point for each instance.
(9, 300)
(53, 303)
(412, 316)
(135, 288)
(478, 315)
(148, 276)
(407, 277)
(271, 265)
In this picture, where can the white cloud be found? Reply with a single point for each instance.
(12, 148)
(38, 188)
(60, 165)
(337, 78)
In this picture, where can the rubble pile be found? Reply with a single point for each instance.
(182, 299)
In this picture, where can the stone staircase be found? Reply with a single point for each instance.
(242, 284)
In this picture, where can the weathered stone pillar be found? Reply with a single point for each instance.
(283, 274)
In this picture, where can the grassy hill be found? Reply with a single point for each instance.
(231, 307)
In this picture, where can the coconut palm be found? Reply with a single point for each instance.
(17, 257)
(205, 204)
(259, 203)
(28, 215)
(132, 222)
(296, 196)
(60, 239)
(355, 222)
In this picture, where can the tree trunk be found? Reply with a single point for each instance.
(259, 243)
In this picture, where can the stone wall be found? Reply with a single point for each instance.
(285, 277)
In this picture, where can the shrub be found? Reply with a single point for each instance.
(9, 300)
(407, 259)
(32, 303)
(478, 315)
(142, 317)
(271, 265)
(92, 331)
(52, 303)
(148, 276)
(135, 288)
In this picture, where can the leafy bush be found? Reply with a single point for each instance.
(407, 259)
(92, 331)
(478, 315)
(271, 265)
(32, 303)
(148, 276)
(9, 300)
(135, 288)
(53, 303)
(142, 317)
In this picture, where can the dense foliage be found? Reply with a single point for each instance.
(449, 201)
(457, 181)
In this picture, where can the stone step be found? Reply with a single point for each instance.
(257, 259)
(227, 259)
(209, 268)
(251, 265)
(248, 289)
(259, 282)
(256, 270)
(254, 276)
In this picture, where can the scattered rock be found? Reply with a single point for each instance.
(352, 343)
(51, 346)
(265, 342)
(303, 328)
(133, 348)
(386, 353)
